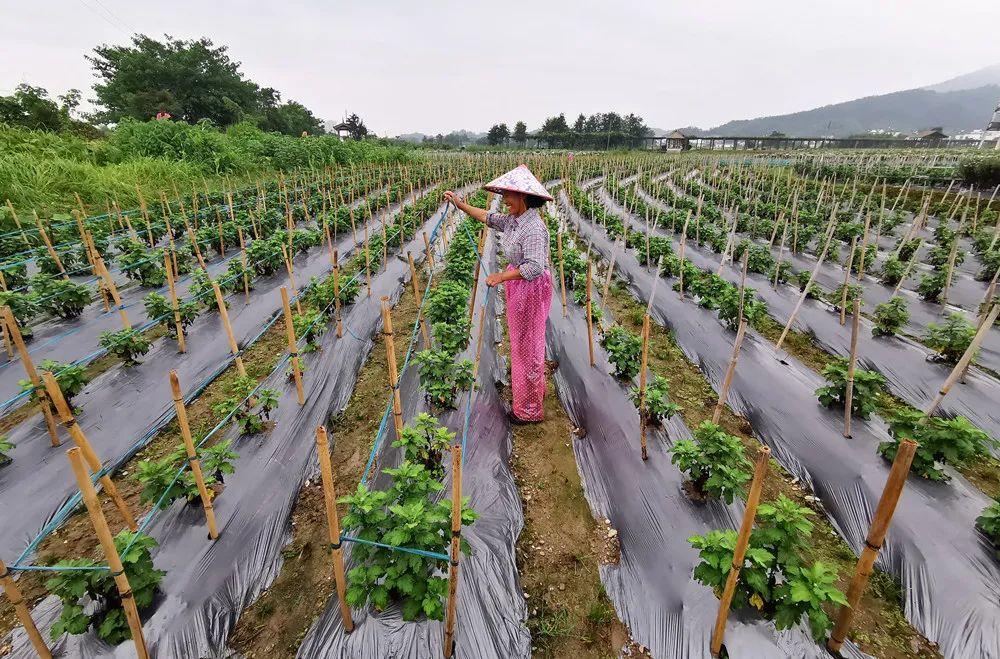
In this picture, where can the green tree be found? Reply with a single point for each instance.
(356, 127)
(291, 118)
(31, 107)
(498, 134)
(192, 80)
(520, 133)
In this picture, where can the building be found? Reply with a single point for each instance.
(930, 135)
(992, 132)
(676, 141)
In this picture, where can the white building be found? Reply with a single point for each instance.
(992, 132)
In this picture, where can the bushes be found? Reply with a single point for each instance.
(442, 377)
(125, 344)
(939, 442)
(890, 317)
(658, 405)
(989, 523)
(868, 385)
(981, 171)
(159, 477)
(71, 378)
(951, 338)
(624, 351)
(714, 461)
(61, 297)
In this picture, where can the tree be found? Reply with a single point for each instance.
(31, 107)
(578, 125)
(291, 118)
(356, 127)
(554, 130)
(520, 133)
(498, 134)
(192, 80)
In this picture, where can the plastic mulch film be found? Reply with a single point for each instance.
(208, 584)
(950, 578)
(491, 610)
(123, 408)
(651, 587)
(903, 362)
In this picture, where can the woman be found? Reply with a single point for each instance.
(527, 282)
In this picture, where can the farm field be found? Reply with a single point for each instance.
(267, 411)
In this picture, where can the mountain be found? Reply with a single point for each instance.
(957, 105)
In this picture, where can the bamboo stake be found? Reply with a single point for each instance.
(246, 266)
(429, 252)
(873, 543)
(562, 272)
(590, 316)
(293, 347)
(619, 244)
(178, 325)
(851, 365)
(16, 599)
(966, 359)
(812, 276)
(182, 422)
(456, 537)
(909, 266)
(103, 533)
(642, 387)
(48, 246)
(390, 352)
(475, 278)
(847, 281)
(416, 296)
(109, 283)
(479, 340)
(10, 324)
(224, 314)
(333, 526)
(80, 439)
(336, 294)
(680, 287)
(17, 221)
(194, 247)
(951, 268)
(730, 372)
(742, 540)
(368, 262)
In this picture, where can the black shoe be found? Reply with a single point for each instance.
(518, 421)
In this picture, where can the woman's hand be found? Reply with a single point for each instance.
(452, 197)
(494, 279)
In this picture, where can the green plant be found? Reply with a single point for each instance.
(784, 271)
(424, 441)
(24, 306)
(868, 385)
(714, 462)
(62, 297)
(71, 378)
(939, 442)
(452, 337)
(658, 405)
(201, 290)
(447, 301)
(125, 344)
(624, 351)
(78, 587)
(931, 286)
(951, 338)
(890, 317)
(754, 309)
(442, 377)
(5, 447)
(142, 264)
(989, 523)
(251, 407)
(236, 274)
(892, 270)
(159, 478)
(402, 516)
(309, 326)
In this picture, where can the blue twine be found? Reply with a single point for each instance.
(408, 550)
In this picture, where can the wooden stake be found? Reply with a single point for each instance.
(224, 314)
(619, 245)
(562, 271)
(590, 315)
(293, 348)
(48, 246)
(456, 550)
(430, 254)
(178, 325)
(17, 221)
(966, 359)
(847, 282)
(812, 277)
(873, 543)
(89, 495)
(730, 372)
(246, 266)
(742, 540)
(10, 325)
(336, 294)
(642, 387)
(13, 594)
(390, 353)
(182, 422)
(680, 287)
(418, 298)
(291, 279)
(333, 526)
(475, 279)
(851, 365)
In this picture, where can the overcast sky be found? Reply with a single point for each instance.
(427, 66)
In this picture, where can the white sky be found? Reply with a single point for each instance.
(435, 66)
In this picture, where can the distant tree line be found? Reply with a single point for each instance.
(603, 130)
(189, 80)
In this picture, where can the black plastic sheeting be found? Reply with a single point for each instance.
(651, 587)
(903, 362)
(949, 577)
(831, 276)
(209, 584)
(125, 404)
(491, 609)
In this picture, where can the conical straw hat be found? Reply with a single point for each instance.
(519, 179)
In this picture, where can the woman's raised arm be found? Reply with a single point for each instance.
(471, 211)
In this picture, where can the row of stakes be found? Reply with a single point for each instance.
(85, 462)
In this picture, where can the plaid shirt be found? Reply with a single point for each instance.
(525, 241)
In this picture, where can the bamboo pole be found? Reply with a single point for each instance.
(847, 282)
(730, 372)
(475, 278)
(416, 296)
(103, 533)
(178, 325)
(456, 550)
(333, 526)
(196, 249)
(16, 599)
(10, 324)
(109, 283)
(336, 294)
(48, 246)
(966, 359)
(17, 221)
(429, 252)
(291, 279)
(680, 287)
(873, 543)
(224, 314)
(246, 266)
(742, 540)
(182, 422)
(390, 353)
(851, 365)
(590, 315)
(293, 347)
(562, 272)
(812, 277)
(643, 417)
(368, 262)
(80, 439)
(619, 244)
(951, 268)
